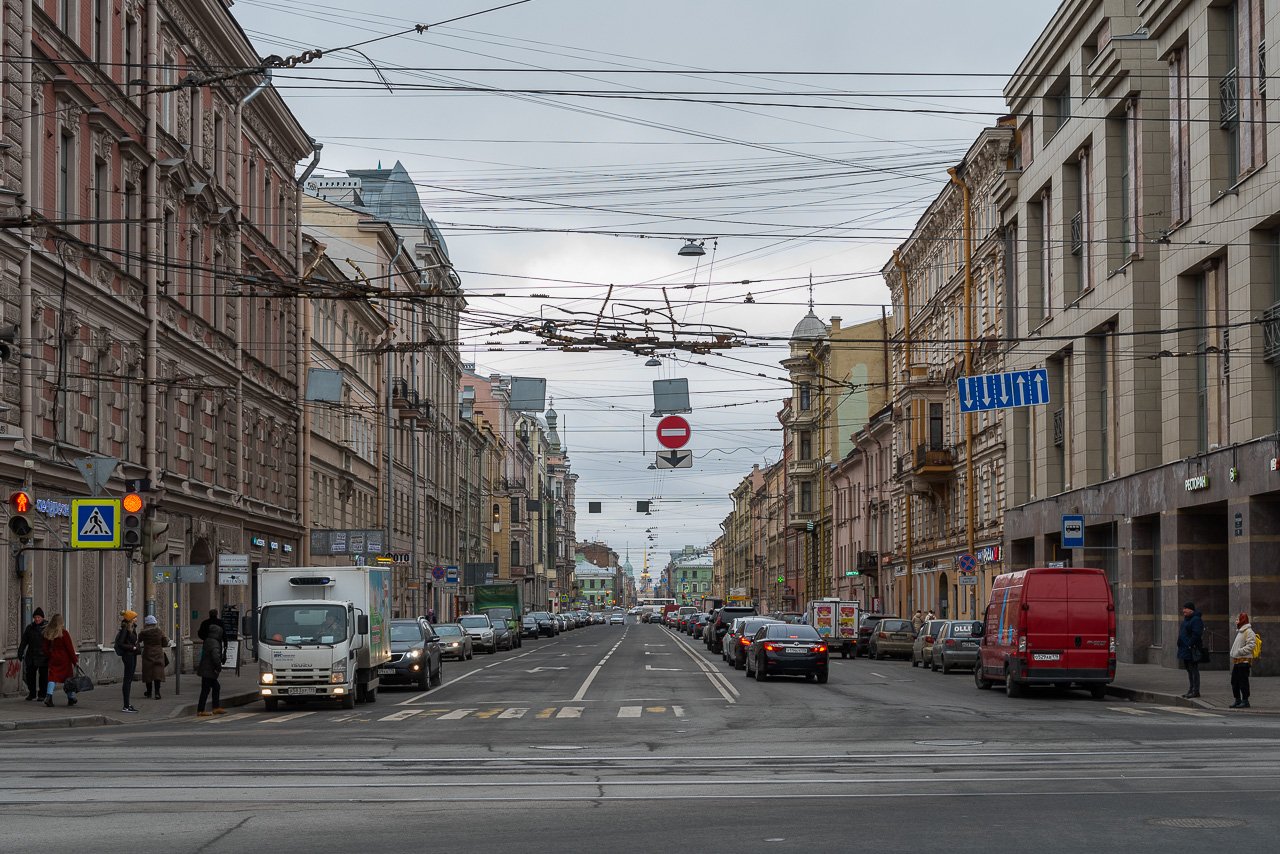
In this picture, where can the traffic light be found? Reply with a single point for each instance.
(155, 540)
(782, 579)
(20, 504)
(131, 507)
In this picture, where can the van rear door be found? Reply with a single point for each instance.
(1090, 617)
(1048, 619)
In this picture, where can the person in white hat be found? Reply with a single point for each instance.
(154, 657)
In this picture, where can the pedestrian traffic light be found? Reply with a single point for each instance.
(131, 507)
(782, 579)
(155, 540)
(20, 504)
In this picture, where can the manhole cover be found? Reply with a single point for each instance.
(1197, 822)
(945, 742)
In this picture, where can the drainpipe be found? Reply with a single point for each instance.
(304, 363)
(906, 334)
(968, 348)
(151, 362)
(388, 381)
(26, 363)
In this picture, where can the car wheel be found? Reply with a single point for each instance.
(978, 680)
(424, 681)
(914, 663)
(439, 677)
(1098, 692)
(946, 668)
(746, 667)
(761, 675)
(810, 677)
(822, 678)
(933, 663)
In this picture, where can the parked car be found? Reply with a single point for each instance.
(415, 655)
(503, 637)
(597, 618)
(866, 626)
(892, 637)
(792, 617)
(483, 633)
(1049, 626)
(780, 648)
(922, 649)
(719, 625)
(957, 645)
(546, 623)
(739, 636)
(455, 641)
(528, 626)
(698, 625)
(616, 619)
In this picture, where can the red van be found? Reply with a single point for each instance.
(1049, 626)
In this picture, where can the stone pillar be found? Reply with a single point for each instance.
(1194, 547)
(1254, 581)
(1136, 604)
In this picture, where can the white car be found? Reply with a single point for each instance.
(617, 619)
(480, 627)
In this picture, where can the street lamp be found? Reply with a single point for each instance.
(692, 248)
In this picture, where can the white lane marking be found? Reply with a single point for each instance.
(221, 719)
(289, 717)
(719, 684)
(513, 713)
(664, 669)
(679, 710)
(401, 716)
(878, 675)
(582, 691)
(412, 701)
(1191, 713)
(455, 715)
(630, 711)
(1128, 711)
(570, 712)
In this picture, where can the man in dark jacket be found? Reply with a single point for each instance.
(1190, 645)
(35, 667)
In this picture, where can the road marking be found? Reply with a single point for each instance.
(878, 675)
(714, 677)
(488, 713)
(540, 669)
(222, 719)
(679, 710)
(289, 717)
(630, 711)
(401, 716)
(656, 710)
(666, 669)
(544, 714)
(570, 712)
(513, 713)
(1128, 711)
(414, 699)
(456, 714)
(582, 691)
(1191, 712)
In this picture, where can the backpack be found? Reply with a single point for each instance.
(1257, 646)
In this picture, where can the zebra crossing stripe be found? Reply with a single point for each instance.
(488, 713)
(456, 714)
(402, 716)
(570, 712)
(630, 711)
(544, 714)
(513, 713)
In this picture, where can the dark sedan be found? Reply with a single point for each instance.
(528, 626)
(736, 641)
(779, 648)
(956, 646)
(699, 624)
(415, 655)
(546, 623)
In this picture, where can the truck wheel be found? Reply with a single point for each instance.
(1098, 692)
(371, 696)
(349, 702)
(271, 704)
(844, 652)
(1011, 687)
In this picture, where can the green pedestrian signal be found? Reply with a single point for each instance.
(782, 579)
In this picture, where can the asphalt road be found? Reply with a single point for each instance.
(637, 737)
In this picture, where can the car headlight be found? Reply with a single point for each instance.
(454, 644)
(486, 634)
(414, 654)
(265, 674)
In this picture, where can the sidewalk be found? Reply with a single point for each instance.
(101, 706)
(1150, 683)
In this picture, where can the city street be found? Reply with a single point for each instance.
(607, 730)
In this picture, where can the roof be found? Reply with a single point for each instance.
(810, 328)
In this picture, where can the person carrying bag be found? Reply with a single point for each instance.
(126, 646)
(1243, 650)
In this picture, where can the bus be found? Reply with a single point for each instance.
(655, 605)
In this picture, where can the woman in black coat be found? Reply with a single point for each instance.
(126, 646)
(35, 667)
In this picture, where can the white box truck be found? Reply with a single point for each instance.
(322, 633)
(837, 621)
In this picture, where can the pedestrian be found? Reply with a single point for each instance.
(211, 659)
(929, 616)
(431, 616)
(35, 666)
(60, 650)
(154, 657)
(1242, 661)
(917, 620)
(126, 646)
(213, 617)
(1190, 647)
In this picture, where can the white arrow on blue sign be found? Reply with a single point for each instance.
(1003, 391)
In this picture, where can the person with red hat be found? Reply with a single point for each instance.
(1242, 661)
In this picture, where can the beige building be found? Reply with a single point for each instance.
(948, 288)
(1147, 286)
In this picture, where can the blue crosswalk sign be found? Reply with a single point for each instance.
(95, 523)
(1003, 391)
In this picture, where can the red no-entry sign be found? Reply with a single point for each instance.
(673, 432)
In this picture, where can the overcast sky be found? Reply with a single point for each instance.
(547, 197)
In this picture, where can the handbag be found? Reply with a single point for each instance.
(79, 683)
(166, 659)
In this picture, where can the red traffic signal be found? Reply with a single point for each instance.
(20, 501)
(20, 505)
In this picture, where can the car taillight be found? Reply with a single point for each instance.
(928, 638)
(770, 648)
(819, 649)
(884, 635)
(950, 642)
(745, 642)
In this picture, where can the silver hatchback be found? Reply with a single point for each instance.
(956, 646)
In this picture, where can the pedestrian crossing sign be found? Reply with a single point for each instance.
(95, 523)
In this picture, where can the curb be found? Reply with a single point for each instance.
(58, 723)
(1141, 696)
(243, 698)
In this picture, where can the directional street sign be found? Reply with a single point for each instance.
(95, 523)
(1072, 532)
(673, 432)
(674, 459)
(1003, 391)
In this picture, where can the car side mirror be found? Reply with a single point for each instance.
(362, 624)
(249, 625)
(434, 639)
(979, 630)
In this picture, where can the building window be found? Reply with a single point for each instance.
(1046, 254)
(1179, 137)
(131, 228)
(806, 496)
(806, 445)
(515, 553)
(1200, 322)
(168, 78)
(67, 17)
(935, 427)
(101, 32)
(806, 400)
(66, 175)
(218, 144)
(132, 70)
(1124, 209)
(100, 191)
(1057, 105)
(515, 511)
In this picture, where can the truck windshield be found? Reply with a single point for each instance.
(303, 624)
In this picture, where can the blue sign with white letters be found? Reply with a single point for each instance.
(985, 392)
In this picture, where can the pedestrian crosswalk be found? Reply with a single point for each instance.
(477, 712)
(1161, 711)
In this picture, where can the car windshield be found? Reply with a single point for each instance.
(448, 629)
(784, 631)
(751, 626)
(303, 624)
(895, 626)
(475, 622)
(405, 633)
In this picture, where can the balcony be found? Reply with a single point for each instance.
(932, 463)
(803, 467)
(1228, 100)
(868, 561)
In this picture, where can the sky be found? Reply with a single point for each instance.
(566, 146)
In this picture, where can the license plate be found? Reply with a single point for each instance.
(1045, 656)
(797, 650)
(305, 690)
(901, 637)
(968, 644)
(386, 671)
